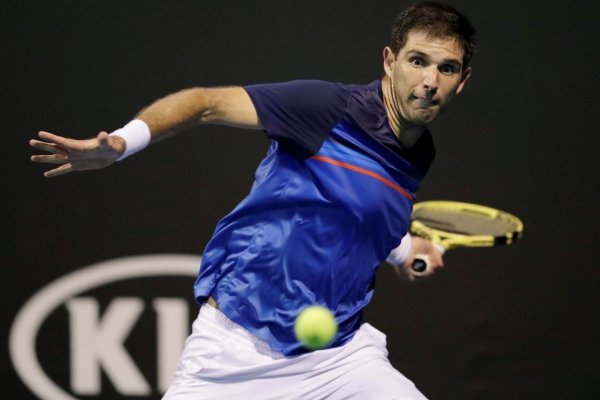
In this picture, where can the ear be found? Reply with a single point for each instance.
(466, 74)
(389, 58)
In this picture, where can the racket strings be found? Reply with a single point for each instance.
(466, 224)
(454, 224)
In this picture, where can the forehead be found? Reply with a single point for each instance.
(444, 47)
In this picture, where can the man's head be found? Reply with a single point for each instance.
(427, 61)
(439, 21)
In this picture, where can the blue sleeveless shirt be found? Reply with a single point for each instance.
(330, 201)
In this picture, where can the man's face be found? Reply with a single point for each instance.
(426, 74)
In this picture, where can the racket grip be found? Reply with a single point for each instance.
(421, 264)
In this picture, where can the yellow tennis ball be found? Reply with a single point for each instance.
(315, 327)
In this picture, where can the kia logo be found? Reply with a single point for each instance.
(96, 341)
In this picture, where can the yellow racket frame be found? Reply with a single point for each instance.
(449, 240)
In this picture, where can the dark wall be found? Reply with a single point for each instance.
(514, 322)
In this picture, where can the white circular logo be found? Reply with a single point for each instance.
(24, 331)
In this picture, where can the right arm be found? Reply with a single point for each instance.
(167, 116)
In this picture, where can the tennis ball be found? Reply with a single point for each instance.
(315, 327)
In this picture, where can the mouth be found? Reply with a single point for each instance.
(425, 102)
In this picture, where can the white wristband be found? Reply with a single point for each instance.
(400, 253)
(136, 135)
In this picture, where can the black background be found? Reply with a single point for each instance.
(514, 322)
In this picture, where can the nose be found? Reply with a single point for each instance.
(430, 80)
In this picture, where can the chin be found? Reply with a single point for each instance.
(423, 119)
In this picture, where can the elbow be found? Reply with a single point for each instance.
(203, 104)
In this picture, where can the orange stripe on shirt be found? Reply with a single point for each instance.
(372, 174)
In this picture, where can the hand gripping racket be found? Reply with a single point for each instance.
(452, 224)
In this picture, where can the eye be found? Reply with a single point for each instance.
(448, 69)
(417, 61)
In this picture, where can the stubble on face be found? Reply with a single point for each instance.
(421, 79)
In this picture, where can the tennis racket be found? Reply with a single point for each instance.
(452, 224)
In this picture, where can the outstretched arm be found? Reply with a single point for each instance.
(178, 111)
(224, 106)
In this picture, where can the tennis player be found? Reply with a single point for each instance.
(331, 201)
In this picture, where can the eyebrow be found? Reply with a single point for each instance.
(425, 55)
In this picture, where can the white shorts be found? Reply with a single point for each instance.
(221, 360)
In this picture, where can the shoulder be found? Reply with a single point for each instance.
(301, 112)
(299, 93)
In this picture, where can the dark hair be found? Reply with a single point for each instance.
(437, 20)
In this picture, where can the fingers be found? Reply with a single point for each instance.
(52, 137)
(73, 154)
(63, 169)
(50, 158)
(437, 260)
(59, 153)
(65, 144)
(433, 262)
(54, 159)
(436, 256)
(49, 147)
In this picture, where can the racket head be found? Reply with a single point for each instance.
(453, 224)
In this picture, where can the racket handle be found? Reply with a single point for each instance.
(421, 264)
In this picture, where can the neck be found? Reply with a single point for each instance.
(406, 133)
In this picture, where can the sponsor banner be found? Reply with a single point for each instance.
(112, 329)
